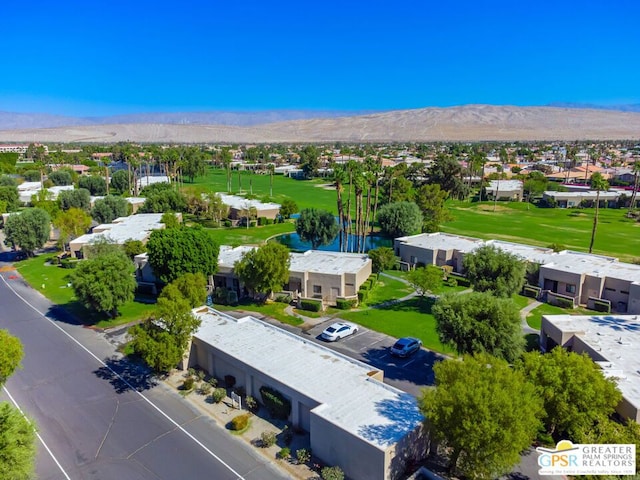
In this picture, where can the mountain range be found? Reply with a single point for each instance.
(462, 123)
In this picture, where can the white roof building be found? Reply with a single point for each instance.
(354, 420)
(318, 261)
(150, 180)
(240, 203)
(612, 342)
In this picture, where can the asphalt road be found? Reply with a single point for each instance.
(102, 418)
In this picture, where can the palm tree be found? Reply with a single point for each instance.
(598, 183)
(339, 177)
(636, 183)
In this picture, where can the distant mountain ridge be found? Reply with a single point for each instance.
(14, 121)
(468, 123)
(629, 107)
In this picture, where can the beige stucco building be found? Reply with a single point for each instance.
(240, 206)
(612, 342)
(370, 429)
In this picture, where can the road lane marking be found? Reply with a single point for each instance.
(176, 424)
(37, 434)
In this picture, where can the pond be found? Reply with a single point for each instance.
(293, 242)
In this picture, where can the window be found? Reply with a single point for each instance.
(610, 289)
(623, 292)
(317, 289)
(570, 288)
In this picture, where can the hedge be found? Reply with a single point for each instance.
(602, 307)
(311, 305)
(531, 292)
(346, 304)
(564, 302)
(275, 403)
(362, 295)
(462, 281)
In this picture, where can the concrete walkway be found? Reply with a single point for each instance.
(523, 316)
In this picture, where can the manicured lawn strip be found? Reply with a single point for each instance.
(386, 289)
(534, 319)
(55, 280)
(306, 193)
(273, 310)
(412, 318)
(521, 301)
(250, 236)
(616, 235)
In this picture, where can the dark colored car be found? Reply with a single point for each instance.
(406, 346)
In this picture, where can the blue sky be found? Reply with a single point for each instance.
(103, 57)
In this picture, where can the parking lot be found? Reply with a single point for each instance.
(409, 374)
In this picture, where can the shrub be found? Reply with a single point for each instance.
(303, 455)
(276, 404)
(239, 422)
(284, 453)
(287, 435)
(188, 383)
(68, 263)
(362, 295)
(332, 473)
(530, 291)
(262, 221)
(564, 302)
(311, 305)
(201, 374)
(229, 381)
(267, 439)
(218, 395)
(213, 382)
(191, 372)
(602, 307)
(346, 304)
(283, 298)
(205, 389)
(251, 404)
(227, 223)
(452, 282)
(462, 281)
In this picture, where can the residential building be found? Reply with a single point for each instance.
(147, 180)
(612, 342)
(585, 198)
(27, 190)
(582, 278)
(505, 189)
(312, 274)
(134, 227)
(20, 148)
(369, 429)
(240, 206)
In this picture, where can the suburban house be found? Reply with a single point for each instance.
(575, 199)
(369, 429)
(612, 342)
(134, 227)
(505, 189)
(312, 274)
(135, 202)
(147, 180)
(240, 206)
(580, 278)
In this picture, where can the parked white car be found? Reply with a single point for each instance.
(338, 330)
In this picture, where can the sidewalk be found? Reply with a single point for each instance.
(526, 329)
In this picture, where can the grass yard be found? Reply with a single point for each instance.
(616, 235)
(386, 289)
(52, 281)
(250, 236)
(534, 319)
(306, 193)
(411, 318)
(521, 300)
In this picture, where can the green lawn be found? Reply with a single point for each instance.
(534, 319)
(306, 193)
(52, 282)
(386, 289)
(250, 236)
(616, 235)
(411, 318)
(521, 300)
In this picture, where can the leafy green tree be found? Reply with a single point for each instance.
(310, 160)
(316, 226)
(194, 163)
(101, 246)
(170, 220)
(133, 247)
(7, 181)
(176, 251)
(10, 355)
(606, 430)
(96, 185)
(8, 162)
(598, 183)
(265, 269)
(155, 346)
(447, 172)
(166, 200)
(574, 391)
(79, 198)
(61, 177)
(485, 412)
(382, 258)
(31, 175)
(10, 195)
(288, 208)
(28, 230)
(400, 219)
(104, 283)
(491, 269)
(425, 279)
(107, 209)
(430, 199)
(119, 182)
(71, 224)
(192, 287)
(17, 444)
(17, 434)
(479, 322)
